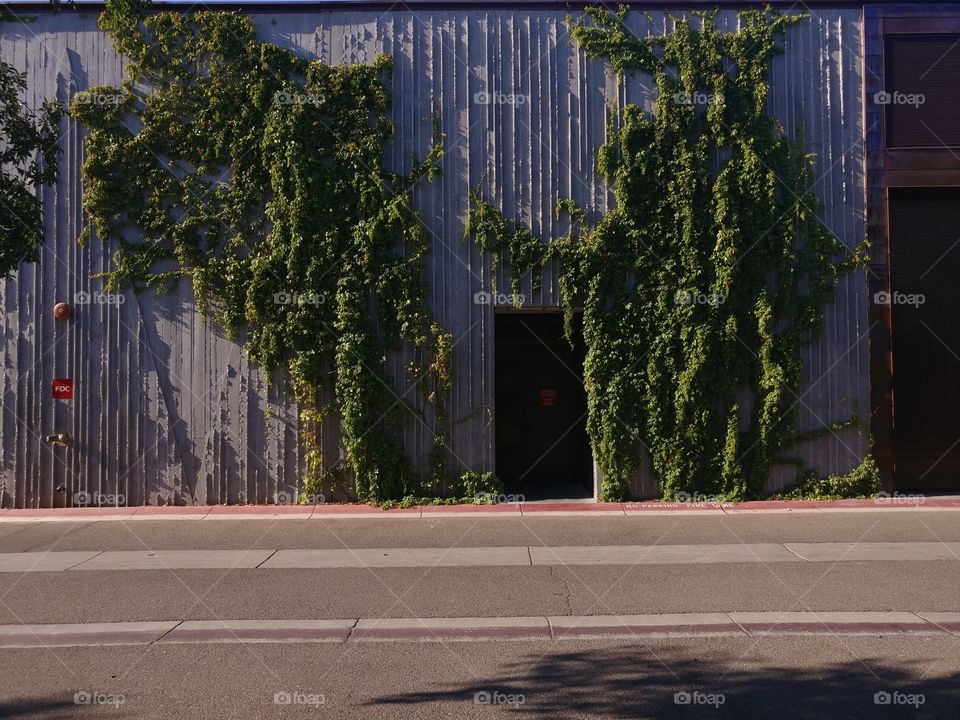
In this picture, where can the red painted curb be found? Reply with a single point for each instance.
(889, 502)
(256, 635)
(104, 637)
(730, 628)
(489, 509)
(940, 502)
(424, 633)
(182, 510)
(71, 512)
(953, 627)
(362, 509)
(772, 505)
(852, 502)
(305, 510)
(508, 632)
(674, 506)
(842, 628)
(531, 509)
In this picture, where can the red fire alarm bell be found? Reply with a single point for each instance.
(62, 311)
(63, 389)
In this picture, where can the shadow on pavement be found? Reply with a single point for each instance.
(54, 709)
(674, 682)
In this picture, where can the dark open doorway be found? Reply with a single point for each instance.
(541, 408)
(924, 265)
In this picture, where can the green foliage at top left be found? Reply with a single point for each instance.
(28, 159)
(259, 175)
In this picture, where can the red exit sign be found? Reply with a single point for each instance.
(63, 389)
(548, 397)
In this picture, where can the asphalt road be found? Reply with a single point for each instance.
(822, 676)
(769, 678)
(475, 592)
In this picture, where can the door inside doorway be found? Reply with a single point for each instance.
(541, 408)
(924, 266)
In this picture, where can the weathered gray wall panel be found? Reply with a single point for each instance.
(167, 410)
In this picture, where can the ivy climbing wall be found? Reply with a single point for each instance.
(167, 410)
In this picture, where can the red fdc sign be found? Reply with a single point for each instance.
(63, 389)
(548, 397)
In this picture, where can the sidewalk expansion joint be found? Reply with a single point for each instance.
(76, 565)
(791, 550)
(267, 558)
(169, 630)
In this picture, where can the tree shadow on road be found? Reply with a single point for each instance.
(685, 681)
(52, 708)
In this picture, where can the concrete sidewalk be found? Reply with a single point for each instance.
(639, 607)
(72, 561)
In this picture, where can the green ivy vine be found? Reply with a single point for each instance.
(259, 176)
(28, 160)
(699, 290)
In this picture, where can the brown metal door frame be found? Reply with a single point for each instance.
(890, 168)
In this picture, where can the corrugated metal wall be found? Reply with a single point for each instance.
(168, 411)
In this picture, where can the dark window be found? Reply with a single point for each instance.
(922, 90)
